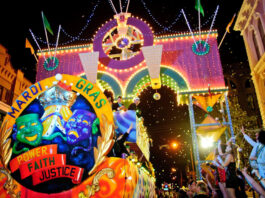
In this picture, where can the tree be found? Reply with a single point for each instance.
(240, 118)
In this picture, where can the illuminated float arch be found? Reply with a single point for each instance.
(195, 73)
(169, 77)
(108, 81)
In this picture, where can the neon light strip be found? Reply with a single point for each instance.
(179, 73)
(220, 89)
(157, 38)
(162, 66)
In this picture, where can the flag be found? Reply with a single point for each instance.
(198, 7)
(28, 45)
(46, 23)
(230, 23)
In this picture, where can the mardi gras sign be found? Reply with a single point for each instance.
(56, 134)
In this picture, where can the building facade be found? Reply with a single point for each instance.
(241, 88)
(251, 23)
(12, 82)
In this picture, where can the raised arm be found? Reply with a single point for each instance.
(219, 148)
(247, 138)
(217, 164)
(123, 137)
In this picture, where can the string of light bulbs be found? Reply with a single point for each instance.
(85, 26)
(155, 20)
(74, 38)
(165, 29)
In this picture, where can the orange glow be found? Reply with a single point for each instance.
(174, 145)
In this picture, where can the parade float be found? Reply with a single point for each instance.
(55, 140)
(56, 137)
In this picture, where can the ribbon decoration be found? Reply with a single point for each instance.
(36, 152)
(28, 168)
(73, 172)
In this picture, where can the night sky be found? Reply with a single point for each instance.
(164, 119)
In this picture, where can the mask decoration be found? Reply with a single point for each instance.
(29, 131)
(57, 102)
(51, 139)
(81, 126)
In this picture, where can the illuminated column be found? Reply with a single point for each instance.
(255, 76)
(90, 64)
(152, 55)
(194, 140)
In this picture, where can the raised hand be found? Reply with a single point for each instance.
(243, 130)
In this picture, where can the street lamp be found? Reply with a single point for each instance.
(172, 145)
(207, 142)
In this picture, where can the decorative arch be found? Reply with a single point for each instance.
(177, 76)
(134, 80)
(110, 80)
(166, 70)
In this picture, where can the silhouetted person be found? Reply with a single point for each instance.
(117, 106)
(119, 148)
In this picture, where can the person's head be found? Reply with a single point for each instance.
(109, 96)
(192, 186)
(202, 187)
(137, 101)
(119, 99)
(261, 136)
(231, 148)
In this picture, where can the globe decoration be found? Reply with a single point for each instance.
(209, 109)
(51, 63)
(157, 96)
(123, 43)
(120, 40)
(200, 48)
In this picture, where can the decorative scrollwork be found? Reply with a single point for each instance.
(5, 155)
(104, 142)
(92, 189)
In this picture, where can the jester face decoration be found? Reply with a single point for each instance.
(29, 129)
(80, 126)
